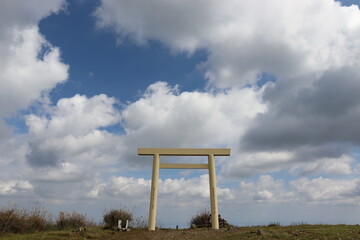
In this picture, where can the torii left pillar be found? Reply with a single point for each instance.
(154, 191)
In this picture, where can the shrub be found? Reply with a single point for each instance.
(39, 219)
(112, 216)
(201, 220)
(17, 220)
(71, 220)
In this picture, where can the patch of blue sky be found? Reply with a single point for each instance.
(18, 124)
(17, 121)
(98, 65)
(265, 78)
(181, 173)
(285, 176)
(356, 152)
(116, 171)
(115, 129)
(349, 2)
(45, 49)
(164, 174)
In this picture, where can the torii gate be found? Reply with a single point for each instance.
(157, 152)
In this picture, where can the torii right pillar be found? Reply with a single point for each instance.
(213, 195)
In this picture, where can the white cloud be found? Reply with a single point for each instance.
(330, 166)
(165, 118)
(29, 65)
(77, 116)
(22, 14)
(285, 38)
(311, 108)
(193, 191)
(66, 148)
(14, 187)
(66, 172)
(246, 164)
(302, 190)
(70, 132)
(325, 190)
(266, 188)
(179, 192)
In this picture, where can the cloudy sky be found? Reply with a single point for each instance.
(83, 84)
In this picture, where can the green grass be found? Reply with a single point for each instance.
(304, 232)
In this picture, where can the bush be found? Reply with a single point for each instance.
(112, 216)
(201, 220)
(71, 220)
(39, 219)
(17, 220)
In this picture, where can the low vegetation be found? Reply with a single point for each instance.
(72, 220)
(20, 220)
(22, 224)
(304, 232)
(203, 220)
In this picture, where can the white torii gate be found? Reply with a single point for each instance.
(157, 152)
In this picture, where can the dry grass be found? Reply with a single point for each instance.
(72, 220)
(20, 220)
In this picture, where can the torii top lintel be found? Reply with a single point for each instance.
(185, 151)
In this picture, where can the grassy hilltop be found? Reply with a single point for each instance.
(304, 232)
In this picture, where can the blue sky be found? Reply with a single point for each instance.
(83, 84)
(100, 65)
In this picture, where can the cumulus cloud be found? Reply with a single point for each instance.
(325, 190)
(184, 192)
(311, 109)
(244, 165)
(266, 188)
(296, 163)
(285, 38)
(325, 112)
(328, 166)
(315, 122)
(20, 14)
(302, 190)
(163, 117)
(29, 65)
(71, 130)
(14, 187)
(68, 142)
(29, 68)
(67, 148)
(193, 191)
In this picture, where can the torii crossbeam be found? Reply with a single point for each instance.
(157, 152)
